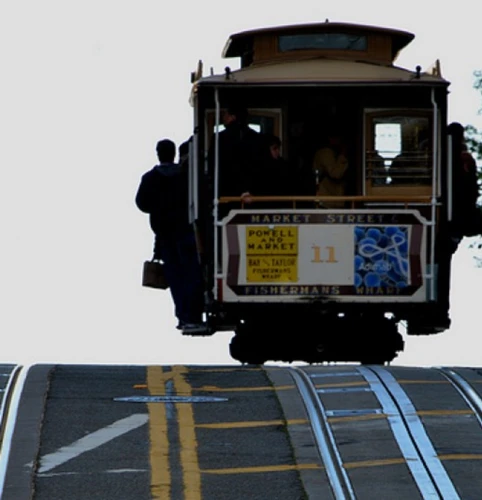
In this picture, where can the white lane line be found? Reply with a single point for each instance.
(113, 471)
(91, 441)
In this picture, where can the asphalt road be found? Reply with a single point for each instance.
(80, 432)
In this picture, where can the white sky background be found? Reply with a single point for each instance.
(87, 89)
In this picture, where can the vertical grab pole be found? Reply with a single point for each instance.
(193, 166)
(449, 179)
(193, 170)
(193, 146)
(435, 170)
(216, 190)
(191, 196)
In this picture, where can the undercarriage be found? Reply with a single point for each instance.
(367, 339)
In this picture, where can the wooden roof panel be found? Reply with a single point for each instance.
(242, 42)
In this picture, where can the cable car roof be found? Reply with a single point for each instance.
(243, 42)
(322, 71)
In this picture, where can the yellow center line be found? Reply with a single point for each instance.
(224, 370)
(214, 388)
(429, 382)
(158, 439)
(374, 463)
(262, 469)
(462, 456)
(343, 384)
(401, 460)
(241, 425)
(444, 412)
(380, 416)
(363, 383)
(349, 465)
(187, 437)
(357, 418)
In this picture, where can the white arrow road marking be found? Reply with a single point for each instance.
(113, 471)
(91, 441)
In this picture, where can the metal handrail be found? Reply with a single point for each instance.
(319, 200)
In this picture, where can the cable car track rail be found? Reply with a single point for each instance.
(415, 445)
(8, 415)
(473, 400)
(7, 395)
(327, 448)
(405, 426)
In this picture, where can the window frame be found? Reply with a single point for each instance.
(370, 114)
(274, 113)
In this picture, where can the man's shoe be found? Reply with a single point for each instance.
(180, 325)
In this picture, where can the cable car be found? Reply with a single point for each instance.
(305, 275)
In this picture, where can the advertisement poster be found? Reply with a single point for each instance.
(325, 254)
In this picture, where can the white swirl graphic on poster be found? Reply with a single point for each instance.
(381, 256)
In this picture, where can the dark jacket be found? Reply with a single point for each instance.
(241, 151)
(163, 194)
(274, 178)
(467, 220)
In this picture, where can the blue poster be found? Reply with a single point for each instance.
(381, 256)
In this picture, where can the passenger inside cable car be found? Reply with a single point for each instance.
(330, 165)
(241, 152)
(274, 177)
(279, 177)
(412, 165)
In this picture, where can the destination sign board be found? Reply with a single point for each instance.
(336, 255)
(271, 254)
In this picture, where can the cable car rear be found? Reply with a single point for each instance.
(324, 278)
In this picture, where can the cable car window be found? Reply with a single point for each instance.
(266, 121)
(399, 149)
(254, 126)
(388, 140)
(316, 41)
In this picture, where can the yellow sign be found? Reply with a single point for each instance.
(272, 254)
(266, 240)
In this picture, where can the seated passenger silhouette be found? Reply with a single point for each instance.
(412, 166)
(376, 168)
(330, 165)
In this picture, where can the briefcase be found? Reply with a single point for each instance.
(153, 275)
